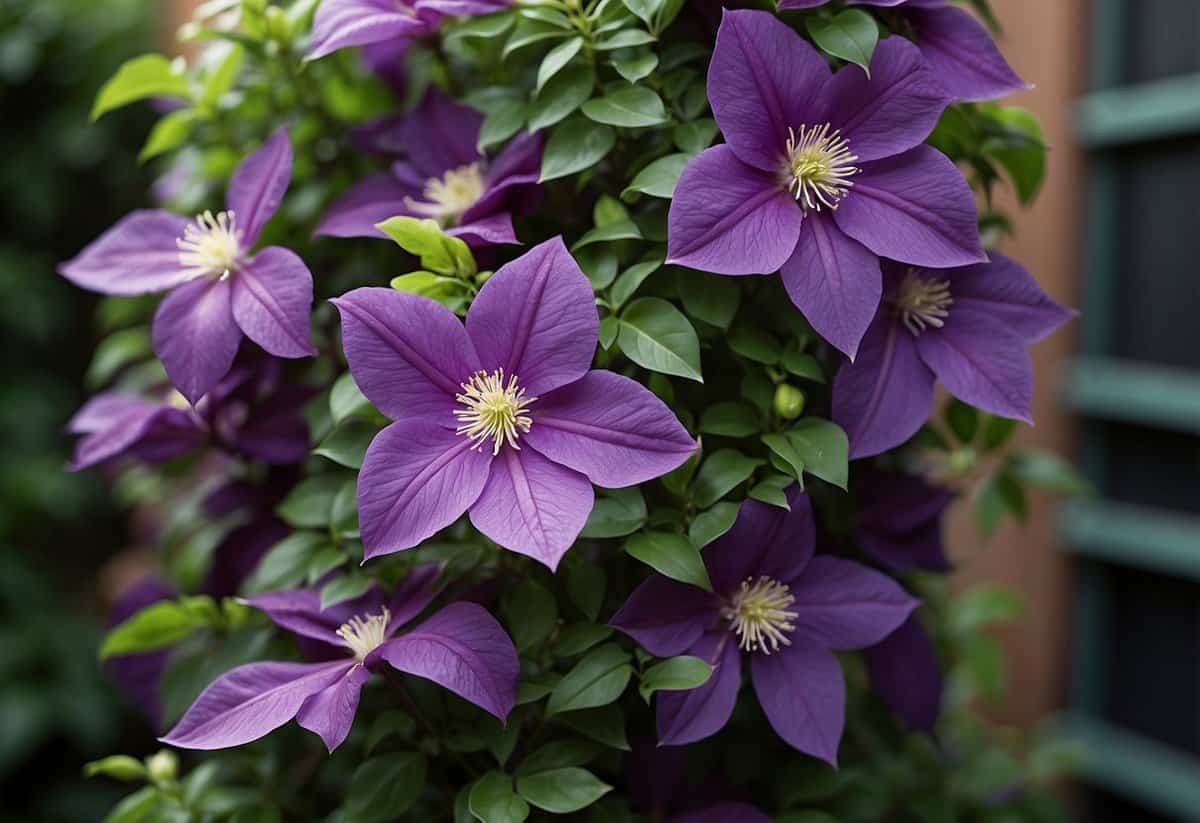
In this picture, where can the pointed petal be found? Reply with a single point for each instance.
(666, 617)
(920, 548)
(258, 185)
(408, 354)
(372, 200)
(277, 431)
(765, 541)
(536, 318)
(441, 134)
(417, 478)
(340, 24)
(415, 592)
(886, 394)
(299, 611)
(272, 301)
(763, 80)
(984, 364)
(895, 502)
(518, 160)
(803, 693)
(894, 109)
(121, 424)
(251, 701)
(195, 336)
(106, 410)
(1004, 289)
(905, 672)
(493, 230)
(835, 281)
(915, 207)
(844, 605)
(463, 649)
(962, 54)
(687, 716)
(330, 712)
(137, 255)
(610, 428)
(730, 218)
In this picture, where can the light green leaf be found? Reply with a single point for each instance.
(708, 525)
(151, 75)
(347, 444)
(347, 400)
(656, 335)
(556, 59)
(575, 145)
(659, 178)
(644, 10)
(562, 791)
(670, 554)
(610, 326)
(596, 680)
(850, 35)
(135, 807)
(221, 79)
(633, 277)
(674, 674)
(346, 587)
(308, 505)
(286, 563)
(625, 39)
(160, 625)
(118, 766)
(634, 67)
(168, 133)
(629, 107)
(439, 252)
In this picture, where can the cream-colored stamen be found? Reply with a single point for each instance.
(211, 246)
(448, 197)
(493, 408)
(819, 166)
(758, 614)
(365, 634)
(923, 302)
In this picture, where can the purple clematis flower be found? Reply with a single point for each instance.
(967, 327)
(958, 47)
(445, 178)
(219, 291)
(340, 24)
(820, 175)
(775, 601)
(900, 521)
(461, 647)
(503, 417)
(904, 671)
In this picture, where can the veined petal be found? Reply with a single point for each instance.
(195, 336)
(299, 611)
(251, 701)
(137, 255)
(415, 592)
(687, 716)
(1003, 289)
(258, 185)
(119, 424)
(441, 134)
(340, 24)
(905, 673)
(330, 712)
(272, 300)
(667, 617)
(610, 428)
(730, 218)
(963, 55)
(765, 541)
(803, 693)
(532, 505)
(493, 230)
(372, 200)
(844, 605)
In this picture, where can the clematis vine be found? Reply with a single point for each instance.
(445, 178)
(219, 290)
(968, 328)
(503, 417)
(958, 47)
(821, 174)
(340, 24)
(460, 647)
(775, 602)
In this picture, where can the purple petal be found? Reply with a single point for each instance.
(610, 428)
(844, 605)
(239, 553)
(803, 693)
(765, 541)
(408, 354)
(258, 185)
(886, 394)
(440, 134)
(536, 318)
(340, 24)
(195, 335)
(835, 281)
(463, 649)
(891, 111)
(137, 255)
(299, 611)
(533, 506)
(518, 160)
(464, 8)
(763, 80)
(687, 716)
(415, 592)
(983, 363)
(372, 200)
(417, 478)
(106, 410)
(730, 218)
(962, 55)
(494, 230)
(1004, 290)
(249, 702)
(915, 207)
(387, 60)
(277, 431)
(330, 712)
(900, 521)
(905, 672)
(272, 300)
(724, 812)
(119, 424)
(666, 617)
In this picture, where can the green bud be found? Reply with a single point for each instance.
(120, 766)
(961, 461)
(789, 401)
(162, 766)
(279, 28)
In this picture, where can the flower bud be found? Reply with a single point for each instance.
(279, 28)
(162, 766)
(789, 401)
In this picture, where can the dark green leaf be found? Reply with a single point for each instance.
(575, 145)
(616, 513)
(309, 504)
(729, 420)
(850, 35)
(385, 787)
(695, 136)
(347, 444)
(286, 563)
(721, 473)
(556, 59)
(629, 107)
(620, 230)
(346, 587)
(561, 95)
(672, 555)
(501, 124)
(655, 335)
(659, 178)
(561, 791)
(530, 613)
(709, 297)
(605, 724)
(492, 800)
(711, 524)
(674, 674)
(596, 680)
(627, 284)
(580, 637)
(634, 67)
(625, 39)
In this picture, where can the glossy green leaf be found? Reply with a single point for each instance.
(674, 674)
(659, 178)
(656, 335)
(575, 145)
(720, 473)
(385, 787)
(596, 680)
(151, 75)
(850, 35)
(493, 800)
(561, 791)
(628, 107)
(671, 555)
(562, 95)
(616, 513)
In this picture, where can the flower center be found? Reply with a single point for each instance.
(758, 614)
(493, 408)
(922, 302)
(819, 166)
(448, 197)
(210, 247)
(365, 634)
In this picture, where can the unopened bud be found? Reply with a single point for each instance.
(162, 766)
(789, 401)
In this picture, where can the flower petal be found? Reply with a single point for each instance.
(277, 431)
(195, 336)
(905, 673)
(886, 394)
(687, 716)
(1004, 289)
(666, 617)
(536, 318)
(137, 255)
(417, 478)
(834, 281)
(893, 109)
(610, 428)
(251, 701)
(730, 218)
(119, 424)
(330, 712)
(915, 207)
(803, 693)
(272, 301)
(984, 363)
(532, 505)
(962, 54)
(340, 24)
(258, 185)
(299, 611)
(415, 592)
(844, 605)
(493, 230)
(463, 649)
(763, 80)
(766, 541)
(408, 354)
(441, 134)
(372, 200)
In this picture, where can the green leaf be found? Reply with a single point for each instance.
(346, 400)
(1020, 148)
(502, 123)
(385, 787)
(781, 446)
(772, 490)
(118, 766)
(695, 136)
(580, 637)
(562, 791)
(670, 554)
(674, 674)
(596, 680)
(558, 754)
(575, 145)
(347, 444)
(620, 230)
(628, 107)
(535, 687)
(997, 431)
(711, 524)
(135, 807)
(605, 725)
(530, 613)
(220, 80)
(286, 563)
(753, 342)
(634, 67)
(117, 351)
(586, 581)
(982, 606)
(160, 625)
(1045, 470)
(656, 335)
(616, 513)
(308, 505)
(729, 420)
(529, 32)
(323, 561)
(492, 800)
(346, 587)
(488, 26)
(850, 35)
(439, 252)
(803, 365)
(997, 495)
(556, 59)
(659, 178)
(625, 39)
(708, 297)
(168, 133)
(633, 277)
(823, 447)
(151, 75)
(564, 93)
(963, 420)
(610, 326)
(644, 10)
(599, 263)
(721, 473)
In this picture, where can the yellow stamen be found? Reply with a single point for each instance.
(758, 614)
(365, 634)
(494, 409)
(923, 302)
(211, 246)
(819, 166)
(448, 197)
